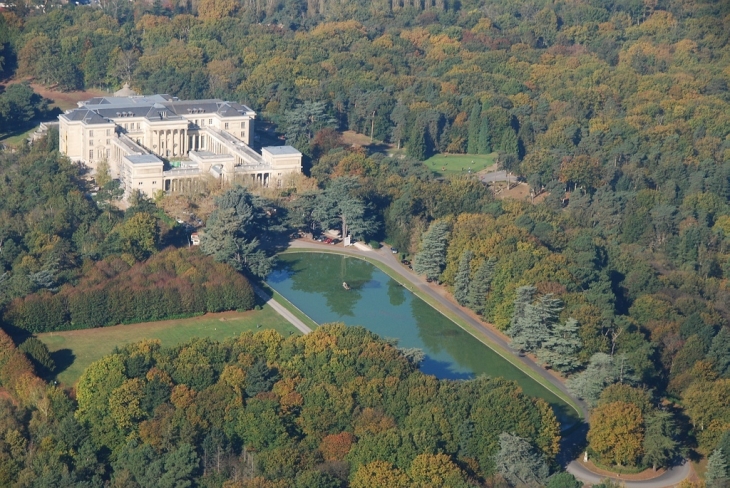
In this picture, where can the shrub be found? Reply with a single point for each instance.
(39, 355)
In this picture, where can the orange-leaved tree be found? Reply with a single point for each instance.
(617, 433)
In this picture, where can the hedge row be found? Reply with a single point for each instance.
(173, 283)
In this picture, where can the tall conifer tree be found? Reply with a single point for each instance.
(474, 124)
(431, 257)
(479, 286)
(462, 279)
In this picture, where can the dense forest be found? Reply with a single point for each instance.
(336, 406)
(617, 111)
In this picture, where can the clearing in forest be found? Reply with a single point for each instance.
(74, 350)
(455, 164)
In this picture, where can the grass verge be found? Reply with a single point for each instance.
(281, 300)
(73, 351)
(16, 139)
(620, 469)
(459, 164)
(477, 334)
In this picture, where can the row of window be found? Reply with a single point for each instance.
(91, 142)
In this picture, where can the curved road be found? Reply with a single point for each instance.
(670, 478)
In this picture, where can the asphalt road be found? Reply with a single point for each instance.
(672, 477)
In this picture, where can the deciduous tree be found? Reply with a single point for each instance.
(617, 433)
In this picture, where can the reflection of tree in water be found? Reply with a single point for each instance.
(325, 273)
(440, 334)
(396, 293)
(431, 325)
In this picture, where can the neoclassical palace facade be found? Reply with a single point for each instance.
(158, 142)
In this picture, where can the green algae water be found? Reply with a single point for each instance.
(313, 283)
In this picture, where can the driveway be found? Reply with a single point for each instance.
(494, 176)
(671, 477)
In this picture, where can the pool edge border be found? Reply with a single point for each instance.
(456, 320)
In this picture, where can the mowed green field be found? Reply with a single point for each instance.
(74, 350)
(451, 164)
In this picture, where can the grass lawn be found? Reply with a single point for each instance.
(74, 350)
(16, 139)
(455, 164)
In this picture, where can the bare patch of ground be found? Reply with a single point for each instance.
(519, 191)
(62, 100)
(352, 138)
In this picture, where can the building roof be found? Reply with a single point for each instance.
(121, 102)
(152, 107)
(87, 116)
(143, 159)
(282, 151)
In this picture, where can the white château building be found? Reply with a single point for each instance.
(158, 142)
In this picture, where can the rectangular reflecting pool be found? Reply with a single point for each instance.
(313, 282)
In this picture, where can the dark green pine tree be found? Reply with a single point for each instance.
(462, 278)
(534, 326)
(479, 286)
(259, 378)
(431, 257)
(519, 463)
(660, 445)
(40, 356)
(509, 144)
(719, 352)
(561, 347)
(524, 296)
(484, 143)
(474, 124)
(417, 146)
(717, 472)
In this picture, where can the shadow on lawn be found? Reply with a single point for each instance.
(63, 358)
